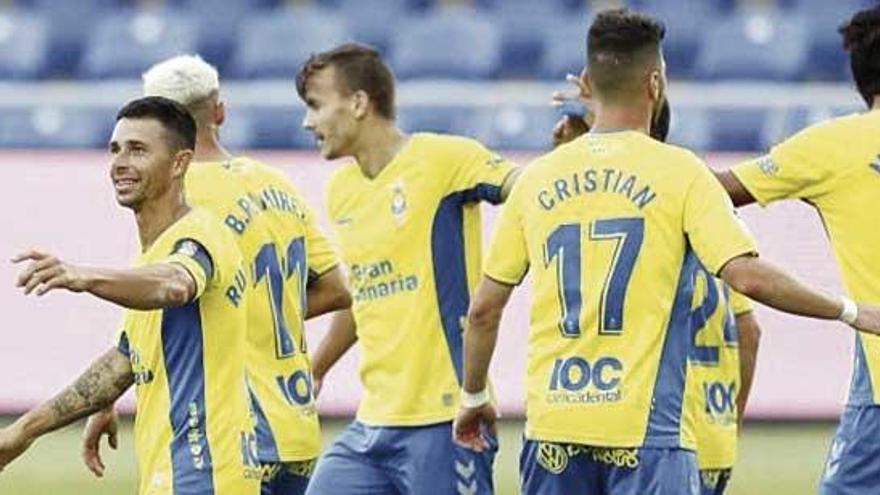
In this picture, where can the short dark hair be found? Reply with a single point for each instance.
(174, 117)
(619, 43)
(358, 68)
(861, 38)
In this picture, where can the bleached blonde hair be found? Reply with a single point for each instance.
(186, 79)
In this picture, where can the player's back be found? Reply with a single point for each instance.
(273, 228)
(608, 223)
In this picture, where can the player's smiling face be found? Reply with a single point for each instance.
(140, 161)
(330, 114)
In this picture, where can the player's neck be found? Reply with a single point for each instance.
(611, 118)
(157, 214)
(377, 147)
(209, 149)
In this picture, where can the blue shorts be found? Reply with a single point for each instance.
(563, 469)
(286, 478)
(420, 460)
(853, 463)
(714, 481)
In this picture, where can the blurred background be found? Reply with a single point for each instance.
(744, 75)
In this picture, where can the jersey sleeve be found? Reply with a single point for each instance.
(714, 231)
(481, 173)
(195, 258)
(321, 257)
(795, 168)
(508, 260)
(739, 303)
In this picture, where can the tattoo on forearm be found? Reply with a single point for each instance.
(105, 380)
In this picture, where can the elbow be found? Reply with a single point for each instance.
(175, 294)
(743, 276)
(341, 299)
(482, 318)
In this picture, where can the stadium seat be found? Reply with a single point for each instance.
(523, 26)
(689, 127)
(683, 30)
(369, 20)
(827, 58)
(754, 45)
(736, 129)
(279, 128)
(24, 44)
(275, 43)
(55, 127)
(126, 42)
(448, 119)
(451, 43)
(218, 24)
(69, 24)
(515, 127)
(565, 48)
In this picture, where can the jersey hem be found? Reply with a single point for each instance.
(761, 200)
(545, 435)
(405, 420)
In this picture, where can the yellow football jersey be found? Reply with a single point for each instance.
(283, 249)
(835, 167)
(411, 239)
(193, 428)
(609, 224)
(713, 373)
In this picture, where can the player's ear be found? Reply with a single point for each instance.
(360, 102)
(180, 163)
(655, 85)
(219, 113)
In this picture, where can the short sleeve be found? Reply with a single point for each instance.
(739, 303)
(194, 257)
(713, 229)
(482, 174)
(320, 255)
(508, 260)
(795, 168)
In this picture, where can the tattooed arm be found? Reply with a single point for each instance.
(105, 380)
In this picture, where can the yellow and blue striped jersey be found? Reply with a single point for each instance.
(283, 249)
(713, 373)
(835, 166)
(411, 239)
(193, 428)
(609, 225)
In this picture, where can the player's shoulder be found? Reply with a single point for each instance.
(830, 131)
(444, 145)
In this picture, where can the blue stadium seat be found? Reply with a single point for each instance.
(565, 48)
(275, 43)
(784, 123)
(754, 45)
(515, 127)
(126, 43)
(24, 44)
(453, 43)
(524, 25)
(828, 60)
(685, 20)
(69, 24)
(736, 129)
(219, 23)
(446, 119)
(54, 127)
(689, 127)
(279, 128)
(370, 21)
(410, 6)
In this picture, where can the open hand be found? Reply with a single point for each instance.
(471, 424)
(46, 272)
(101, 423)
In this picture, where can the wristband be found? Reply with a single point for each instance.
(850, 311)
(473, 401)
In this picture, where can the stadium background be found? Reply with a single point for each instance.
(745, 74)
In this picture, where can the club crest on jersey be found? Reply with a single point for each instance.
(767, 165)
(398, 201)
(552, 457)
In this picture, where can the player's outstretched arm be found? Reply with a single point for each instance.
(477, 413)
(155, 286)
(98, 387)
(739, 195)
(770, 285)
(327, 293)
(749, 335)
(339, 339)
